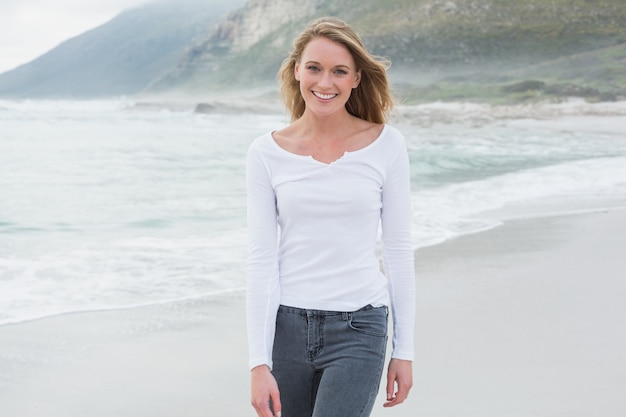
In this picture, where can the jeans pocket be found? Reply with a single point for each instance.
(372, 322)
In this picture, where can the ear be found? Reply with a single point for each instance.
(357, 79)
(296, 71)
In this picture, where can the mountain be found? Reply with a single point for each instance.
(438, 48)
(120, 57)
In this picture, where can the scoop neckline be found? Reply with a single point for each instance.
(310, 157)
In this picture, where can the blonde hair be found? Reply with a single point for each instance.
(370, 101)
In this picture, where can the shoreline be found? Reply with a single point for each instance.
(532, 210)
(542, 114)
(507, 320)
(446, 112)
(215, 295)
(566, 115)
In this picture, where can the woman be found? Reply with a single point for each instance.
(317, 191)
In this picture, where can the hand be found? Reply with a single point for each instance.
(264, 389)
(400, 375)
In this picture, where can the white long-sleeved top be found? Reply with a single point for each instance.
(313, 231)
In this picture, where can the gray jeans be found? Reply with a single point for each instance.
(329, 363)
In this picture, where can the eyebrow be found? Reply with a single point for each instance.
(336, 66)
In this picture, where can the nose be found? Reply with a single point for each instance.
(325, 80)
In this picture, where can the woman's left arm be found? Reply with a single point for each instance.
(399, 266)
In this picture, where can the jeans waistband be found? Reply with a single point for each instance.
(308, 312)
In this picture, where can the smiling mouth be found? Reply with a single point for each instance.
(324, 96)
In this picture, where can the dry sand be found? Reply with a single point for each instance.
(524, 320)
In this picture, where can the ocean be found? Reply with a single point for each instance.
(107, 205)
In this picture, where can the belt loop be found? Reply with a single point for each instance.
(345, 316)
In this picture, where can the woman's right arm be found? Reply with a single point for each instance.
(263, 291)
(263, 389)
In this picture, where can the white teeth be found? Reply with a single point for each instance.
(324, 96)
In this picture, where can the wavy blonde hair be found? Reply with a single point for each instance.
(370, 101)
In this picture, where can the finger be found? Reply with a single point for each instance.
(394, 401)
(400, 396)
(391, 384)
(275, 396)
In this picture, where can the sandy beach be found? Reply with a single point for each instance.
(524, 319)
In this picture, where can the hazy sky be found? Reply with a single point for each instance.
(29, 28)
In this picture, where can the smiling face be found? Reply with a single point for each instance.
(327, 75)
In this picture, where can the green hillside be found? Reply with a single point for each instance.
(464, 49)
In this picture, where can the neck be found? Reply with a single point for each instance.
(329, 127)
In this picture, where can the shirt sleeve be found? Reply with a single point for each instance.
(263, 291)
(398, 254)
